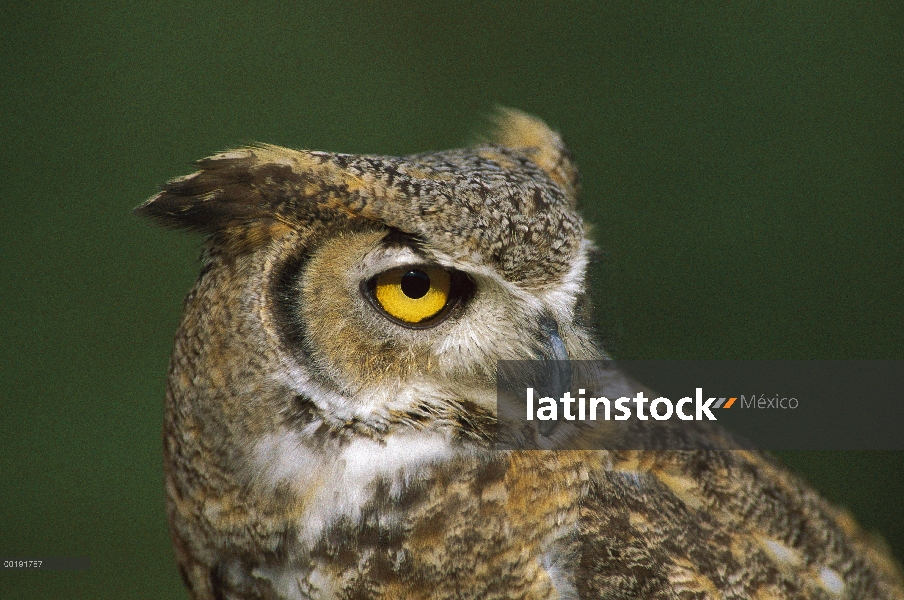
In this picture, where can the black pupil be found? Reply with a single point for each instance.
(415, 284)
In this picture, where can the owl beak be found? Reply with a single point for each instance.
(554, 346)
(557, 368)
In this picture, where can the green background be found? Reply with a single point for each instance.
(743, 167)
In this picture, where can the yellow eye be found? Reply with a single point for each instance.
(413, 295)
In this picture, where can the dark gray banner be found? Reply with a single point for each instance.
(691, 405)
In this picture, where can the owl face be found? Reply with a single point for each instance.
(395, 326)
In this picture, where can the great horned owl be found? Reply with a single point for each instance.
(334, 379)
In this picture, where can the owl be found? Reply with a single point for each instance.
(331, 400)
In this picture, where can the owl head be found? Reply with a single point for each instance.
(360, 295)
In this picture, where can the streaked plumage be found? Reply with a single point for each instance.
(317, 445)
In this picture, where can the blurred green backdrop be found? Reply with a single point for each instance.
(743, 167)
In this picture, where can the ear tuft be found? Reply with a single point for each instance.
(521, 131)
(248, 192)
(210, 200)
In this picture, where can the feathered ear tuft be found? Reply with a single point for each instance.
(222, 195)
(524, 132)
(249, 194)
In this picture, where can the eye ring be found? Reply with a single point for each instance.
(417, 296)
